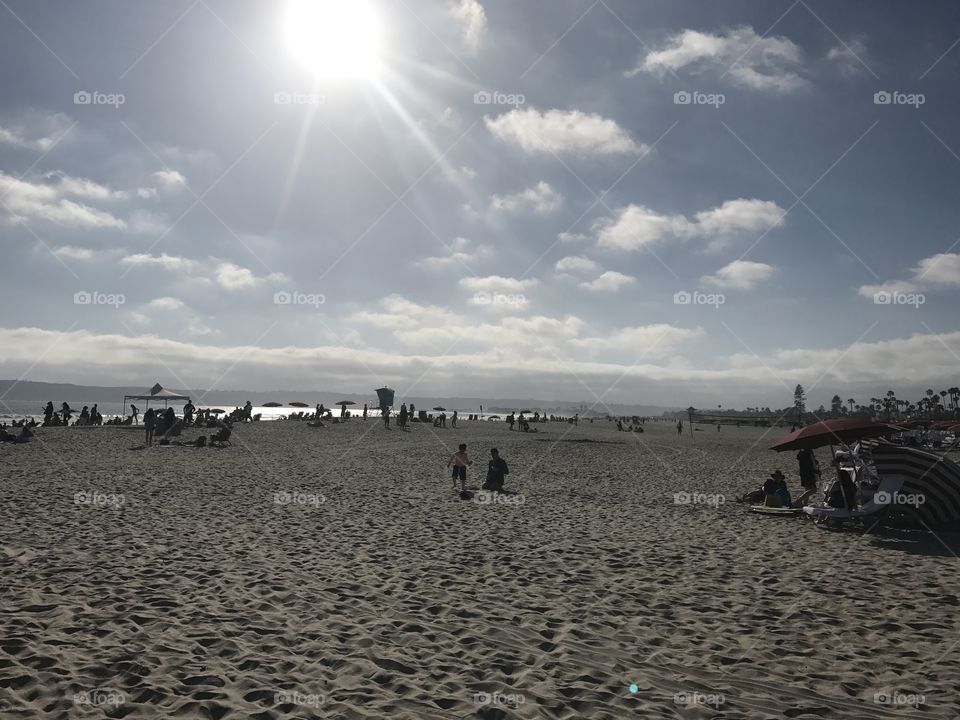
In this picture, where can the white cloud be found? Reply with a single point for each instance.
(609, 282)
(25, 200)
(35, 132)
(167, 262)
(940, 269)
(638, 226)
(576, 264)
(234, 277)
(740, 275)
(496, 283)
(850, 57)
(569, 237)
(748, 59)
(462, 253)
(166, 303)
(169, 179)
(473, 22)
(542, 198)
(562, 131)
(74, 253)
(650, 341)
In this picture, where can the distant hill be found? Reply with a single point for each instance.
(29, 392)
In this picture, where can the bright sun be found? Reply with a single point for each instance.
(335, 39)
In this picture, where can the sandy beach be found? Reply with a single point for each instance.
(334, 573)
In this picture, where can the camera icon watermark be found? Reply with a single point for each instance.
(498, 698)
(284, 497)
(293, 697)
(109, 698)
(698, 498)
(895, 297)
(488, 497)
(895, 498)
(295, 297)
(98, 298)
(488, 97)
(698, 298)
(95, 97)
(683, 97)
(100, 499)
(486, 298)
(285, 97)
(691, 699)
(894, 697)
(895, 97)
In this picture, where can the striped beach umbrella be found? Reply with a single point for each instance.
(926, 475)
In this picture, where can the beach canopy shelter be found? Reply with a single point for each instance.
(156, 394)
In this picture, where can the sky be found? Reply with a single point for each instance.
(667, 202)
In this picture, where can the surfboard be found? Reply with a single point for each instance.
(780, 511)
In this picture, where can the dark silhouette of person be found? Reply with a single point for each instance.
(148, 424)
(497, 471)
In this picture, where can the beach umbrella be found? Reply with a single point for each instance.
(272, 404)
(345, 402)
(832, 432)
(525, 411)
(217, 411)
(440, 409)
(298, 404)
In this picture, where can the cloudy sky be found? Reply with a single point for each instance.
(667, 202)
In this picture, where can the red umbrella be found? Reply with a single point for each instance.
(832, 432)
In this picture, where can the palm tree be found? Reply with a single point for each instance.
(851, 402)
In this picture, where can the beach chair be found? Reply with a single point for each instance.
(880, 502)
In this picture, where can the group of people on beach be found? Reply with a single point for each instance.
(497, 469)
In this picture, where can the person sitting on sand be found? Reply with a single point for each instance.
(497, 471)
(776, 494)
(459, 461)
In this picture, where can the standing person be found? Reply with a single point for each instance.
(497, 471)
(402, 420)
(510, 420)
(443, 419)
(48, 413)
(248, 412)
(808, 469)
(188, 413)
(95, 417)
(65, 412)
(385, 411)
(453, 420)
(413, 410)
(148, 423)
(364, 412)
(134, 413)
(679, 427)
(459, 461)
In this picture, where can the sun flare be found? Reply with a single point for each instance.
(334, 39)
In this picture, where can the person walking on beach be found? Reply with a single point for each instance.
(364, 412)
(385, 411)
(148, 424)
(496, 471)
(453, 420)
(402, 420)
(679, 427)
(459, 462)
(48, 413)
(134, 413)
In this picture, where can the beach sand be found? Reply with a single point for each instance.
(375, 592)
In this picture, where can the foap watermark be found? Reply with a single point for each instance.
(485, 298)
(488, 97)
(895, 297)
(285, 97)
(895, 498)
(683, 97)
(99, 298)
(895, 97)
(694, 698)
(295, 497)
(698, 298)
(713, 500)
(895, 697)
(95, 97)
(296, 297)
(488, 497)
(100, 499)
(294, 697)
(498, 698)
(100, 696)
